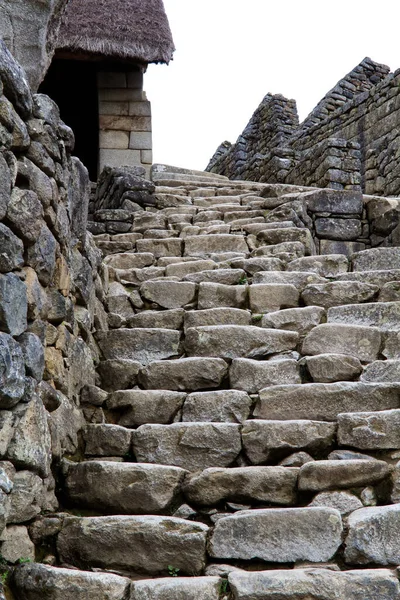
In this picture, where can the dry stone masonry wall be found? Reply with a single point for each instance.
(202, 400)
(349, 141)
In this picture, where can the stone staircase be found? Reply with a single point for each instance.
(243, 441)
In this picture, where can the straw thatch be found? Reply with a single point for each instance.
(136, 30)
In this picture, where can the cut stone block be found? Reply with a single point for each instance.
(222, 276)
(159, 248)
(344, 502)
(318, 584)
(143, 544)
(107, 440)
(270, 297)
(374, 536)
(34, 581)
(214, 295)
(339, 202)
(328, 368)
(143, 345)
(333, 474)
(324, 401)
(376, 259)
(299, 279)
(179, 588)
(301, 320)
(254, 375)
(226, 406)
(385, 315)
(263, 440)
(370, 430)
(123, 488)
(355, 340)
(168, 294)
(216, 316)
(185, 268)
(288, 234)
(184, 374)
(191, 446)
(325, 266)
(158, 319)
(204, 245)
(138, 407)
(278, 535)
(338, 293)
(384, 371)
(235, 341)
(337, 229)
(276, 485)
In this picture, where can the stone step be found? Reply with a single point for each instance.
(159, 169)
(146, 545)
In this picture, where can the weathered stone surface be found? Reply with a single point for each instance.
(299, 279)
(337, 293)
(33, 354)
(129, 260)
(370, 430)
(26, 497)
(30, 447)
(41, 256)
(34, 581)
(216, 316)
(328, 368)
(278, 535)
(269, 297)
(11, 250)
(118, 374)
(159, 319)
(123, 488)
(376, 259)
(159, 248)
(265, 439)
(181, 269)
(146, 406)
(13, 304)
(276, 485)
(184, 374)
(335, 201)
(168, 294)
(16, 86)
(107, 440)
(234, 341)
(223, 276)
(288, 234)
(190, 588)
(344, 502)
(355, 340)
(191, 446)
(16, 544)
(204, 245)
(384, 315)
(301, 320)
(226, 406)
(254, 375)
(373, 536)
(25, 212)
(332, 474)
(337, 229)
(143, 345)
(324, 401)
(318, 584)
(328, 265)
(382, 371)
(214, 295)
(12, 372)
(144, 544)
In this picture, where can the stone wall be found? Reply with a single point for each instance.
(363, 109)
(51, 296)
(125, 120)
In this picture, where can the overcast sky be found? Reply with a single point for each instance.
(230, 53)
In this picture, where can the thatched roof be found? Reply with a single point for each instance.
(137, 30)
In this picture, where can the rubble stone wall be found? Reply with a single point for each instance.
(51, 295)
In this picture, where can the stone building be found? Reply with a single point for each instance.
(349, 141)
(101, 51)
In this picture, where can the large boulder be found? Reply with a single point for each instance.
(30, 31)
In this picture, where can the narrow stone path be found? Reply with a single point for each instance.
(244, 436)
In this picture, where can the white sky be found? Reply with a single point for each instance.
(230, 53)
